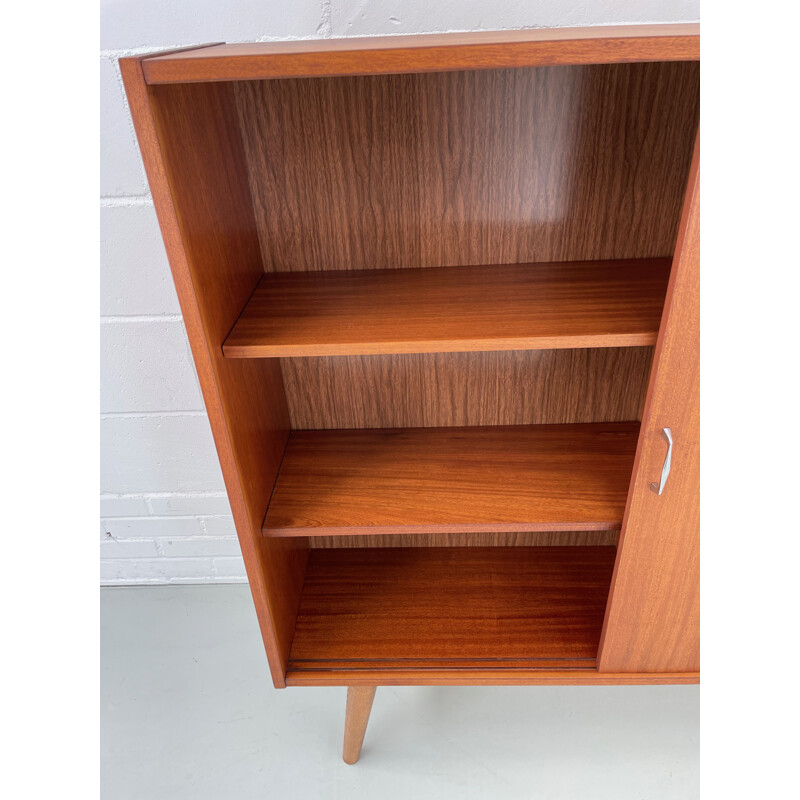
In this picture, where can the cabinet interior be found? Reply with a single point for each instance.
(436, 463)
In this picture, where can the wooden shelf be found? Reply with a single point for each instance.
(465, 607)
(453, 480)
(453, 309)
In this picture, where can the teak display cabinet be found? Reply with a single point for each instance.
(442, 296)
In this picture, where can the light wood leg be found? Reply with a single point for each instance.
(359, 704)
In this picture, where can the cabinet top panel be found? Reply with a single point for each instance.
(381, 55)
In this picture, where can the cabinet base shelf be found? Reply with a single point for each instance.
(485, 677)
(466, 608)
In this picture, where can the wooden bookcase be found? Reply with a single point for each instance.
(442, 295)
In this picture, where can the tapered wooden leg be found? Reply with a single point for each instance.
(359, 704)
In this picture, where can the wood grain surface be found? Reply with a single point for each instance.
(436, 52)
(414, 606)
(193, 155)
(453, 309)
(453, 480)
(474, 161)
(435, 390)
(470, 168)
(523, 539)
(653, 618)
(482, 676)
(359, 704)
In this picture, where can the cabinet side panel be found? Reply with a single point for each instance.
(652, 620)
(465, 168)
(193, 154)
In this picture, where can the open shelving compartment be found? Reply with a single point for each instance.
(423, 308)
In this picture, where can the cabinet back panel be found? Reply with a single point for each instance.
(495, 539)
(472, 167)
(516, 387)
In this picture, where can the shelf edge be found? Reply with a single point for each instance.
(485, 677)
(644, 339)
(380, 55)
(382, 530)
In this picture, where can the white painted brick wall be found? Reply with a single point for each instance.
(165, 517)
(375, 17)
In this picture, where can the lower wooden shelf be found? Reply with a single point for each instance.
(444, 608)
(453, 480)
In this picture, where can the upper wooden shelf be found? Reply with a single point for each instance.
(427, 53)
(453, 309)
(453, 480)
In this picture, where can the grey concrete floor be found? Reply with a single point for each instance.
(188, 711)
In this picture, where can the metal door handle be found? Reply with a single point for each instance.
(658, 488)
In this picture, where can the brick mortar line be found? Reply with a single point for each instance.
(162, 559)
(125, 200)
(157, 540)
(158, 559)
(112, 583)
(161, 517)
(210, 538)
(114, 319)
(158, 495)
(150, 414)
